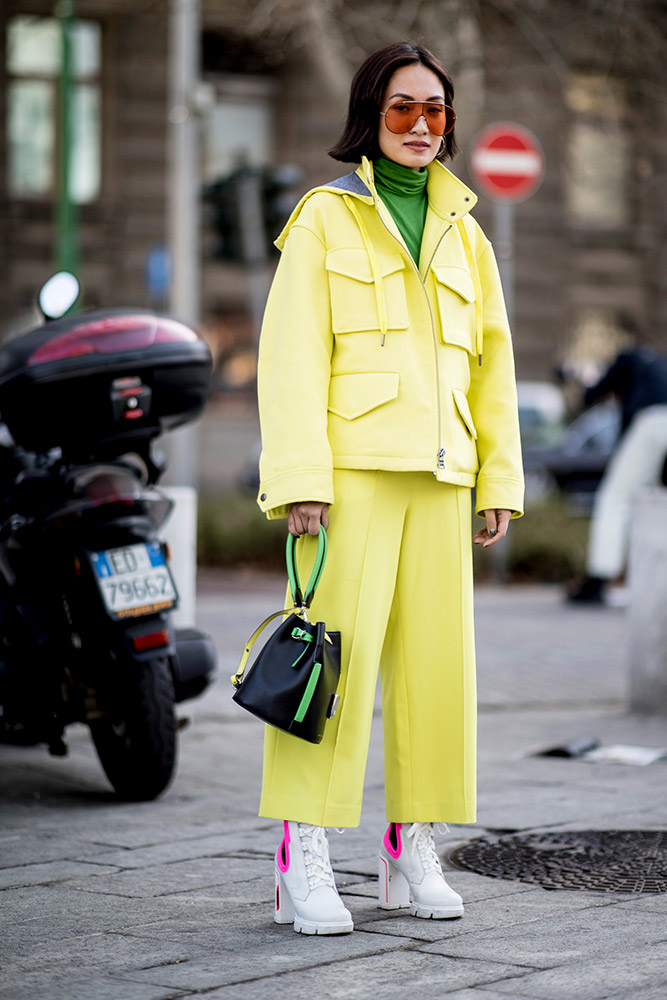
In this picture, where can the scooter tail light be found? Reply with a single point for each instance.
(112, 335)
(152, 640)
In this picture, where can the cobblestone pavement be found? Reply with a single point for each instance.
(102, 900)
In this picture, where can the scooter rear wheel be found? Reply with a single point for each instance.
(136, 744)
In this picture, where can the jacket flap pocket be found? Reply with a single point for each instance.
(351, 396)
(456, 278)
(462, 406)
(353, 262)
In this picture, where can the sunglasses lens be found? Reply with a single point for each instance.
(401, 117)
(436, 118)
(450, 118)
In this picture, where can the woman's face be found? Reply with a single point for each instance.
(418, 147)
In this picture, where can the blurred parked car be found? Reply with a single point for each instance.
(575, 462)
(541, 413)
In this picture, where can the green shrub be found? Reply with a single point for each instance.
(232, 531)
(547, 545)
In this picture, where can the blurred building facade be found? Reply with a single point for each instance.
(585, 77)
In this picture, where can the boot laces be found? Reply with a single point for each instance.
(420, 838)
(315, 848)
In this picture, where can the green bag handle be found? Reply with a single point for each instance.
(301, 602)
(300, 599)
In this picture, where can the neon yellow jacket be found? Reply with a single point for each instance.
(368, 362)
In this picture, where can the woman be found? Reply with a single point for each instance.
(386, 390)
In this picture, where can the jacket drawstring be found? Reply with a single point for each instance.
(375, 268)
(477, 284)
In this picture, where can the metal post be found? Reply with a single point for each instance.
(253, 243)
(503, 219)
(503, 240)
(67, 257)
(184, 210)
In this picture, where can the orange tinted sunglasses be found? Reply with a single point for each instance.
(404, 115)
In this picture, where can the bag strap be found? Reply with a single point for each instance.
(237, 678)
(304, 600)
(301, 601)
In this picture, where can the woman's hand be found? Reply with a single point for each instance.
(306, 517)
(497, 523)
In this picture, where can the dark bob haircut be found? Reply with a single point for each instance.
(360, 135)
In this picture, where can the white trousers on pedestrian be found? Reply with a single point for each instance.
(637, 463)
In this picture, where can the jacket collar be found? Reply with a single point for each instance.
(448, 197)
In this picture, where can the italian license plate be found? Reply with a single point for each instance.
(134, 580)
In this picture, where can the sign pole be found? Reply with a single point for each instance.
(507, 163)
(183, 205)
(503, 239)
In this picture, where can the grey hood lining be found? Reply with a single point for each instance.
(351, 183)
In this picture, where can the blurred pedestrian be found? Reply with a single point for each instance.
(387, 391)
(638, 379)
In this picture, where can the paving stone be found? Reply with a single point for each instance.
(390, 976)
(548, 943)
(644, 993)
(485, 993)
(180, 850)
(34, 917)
(161, 880)
(649, 903)
(639, 973)
(53, 871)
(505, 911)
(60, 984)
(16, 849)
(356, 965)
(102, 953)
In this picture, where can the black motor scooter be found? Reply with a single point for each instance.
(86, 589)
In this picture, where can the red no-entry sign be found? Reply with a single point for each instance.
(507, 162)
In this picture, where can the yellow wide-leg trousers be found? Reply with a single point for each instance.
(398, 586)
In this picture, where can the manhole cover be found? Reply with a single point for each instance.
(598, 860)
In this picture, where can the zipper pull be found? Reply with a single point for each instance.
(441, 458)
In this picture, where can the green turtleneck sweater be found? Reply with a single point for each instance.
(403, 191)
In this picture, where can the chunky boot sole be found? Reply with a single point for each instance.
(436, 912)
(394, 894)
(285, 913)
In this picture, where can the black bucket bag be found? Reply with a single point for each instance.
(292, 683)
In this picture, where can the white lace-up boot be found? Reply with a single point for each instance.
(410, 874)
(306, 894)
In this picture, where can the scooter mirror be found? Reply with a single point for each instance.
(58, 295)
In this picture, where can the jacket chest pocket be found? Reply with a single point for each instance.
(354, 395)
(455, 293)
(354, 296)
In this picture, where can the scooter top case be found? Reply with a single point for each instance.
(109, 377)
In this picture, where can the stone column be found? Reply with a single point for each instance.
(180, 530)
(648, 603)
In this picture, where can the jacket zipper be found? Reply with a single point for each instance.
(440, 462)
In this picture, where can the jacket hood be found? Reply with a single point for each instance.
(448, 197)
